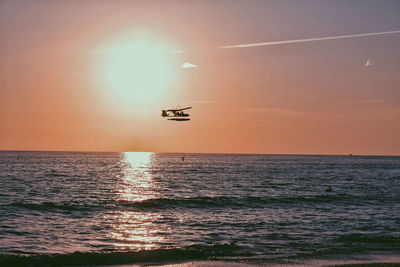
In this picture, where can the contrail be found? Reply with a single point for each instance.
(308, 40)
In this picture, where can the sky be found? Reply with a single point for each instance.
(291, 77)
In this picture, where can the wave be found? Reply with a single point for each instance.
(51, 206)
(194, 252)
(201, 202)
(56, 175)
(241, 202)
(383, 240)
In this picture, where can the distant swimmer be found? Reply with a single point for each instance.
(329, 189)
(183, 158)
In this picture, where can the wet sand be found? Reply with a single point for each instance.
(381, 262)
(356, 263)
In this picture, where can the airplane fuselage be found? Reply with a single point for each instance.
(176, 114)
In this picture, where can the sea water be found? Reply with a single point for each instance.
(76, 208)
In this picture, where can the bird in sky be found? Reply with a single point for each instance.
(368, 63)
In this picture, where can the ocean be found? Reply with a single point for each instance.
(89, 208)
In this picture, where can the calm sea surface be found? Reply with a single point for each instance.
(72, 208)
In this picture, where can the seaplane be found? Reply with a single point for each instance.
(176, 114)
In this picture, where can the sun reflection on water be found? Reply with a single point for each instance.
(137, 181)
(134, 228)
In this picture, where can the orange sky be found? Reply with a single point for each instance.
(94, 75)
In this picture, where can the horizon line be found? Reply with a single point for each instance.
(237, 153)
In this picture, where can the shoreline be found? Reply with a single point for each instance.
(374, 261)
(236, 264)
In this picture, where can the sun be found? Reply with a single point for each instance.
(136, 70)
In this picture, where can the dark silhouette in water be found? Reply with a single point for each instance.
(329, 189)
(183, 158)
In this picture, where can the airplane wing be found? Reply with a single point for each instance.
(180, 109)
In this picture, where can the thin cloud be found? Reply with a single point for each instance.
(202, 102)
(365, 101)
(264, 110)
(188, 65)
(278, 113)
(308, 40)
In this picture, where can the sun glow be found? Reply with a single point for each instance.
(137, 70)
